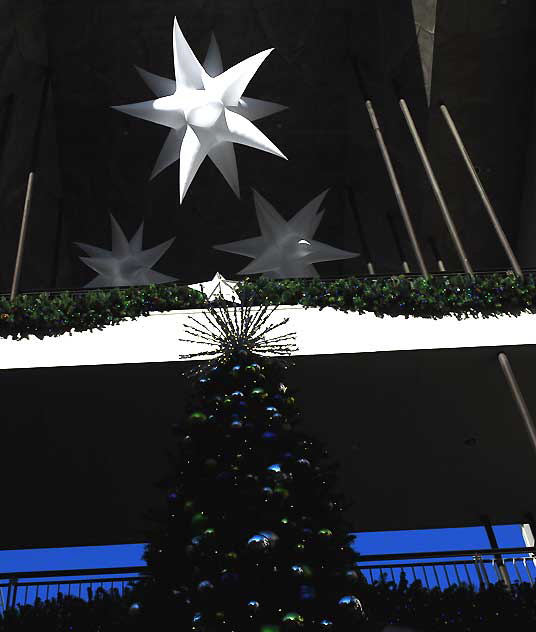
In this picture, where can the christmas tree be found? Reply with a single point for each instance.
(255, 536)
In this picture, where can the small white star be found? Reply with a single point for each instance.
(218, 288)
(126, 264)
(206, 112)
(286, 249)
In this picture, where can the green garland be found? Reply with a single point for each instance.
(49, 314)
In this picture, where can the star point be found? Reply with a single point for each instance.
(126, 264)
(286, 249)
(206, 112)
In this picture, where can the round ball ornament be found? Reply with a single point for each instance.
(237, 395)
(271, 410)
(293, 621)
(205, 586)
(232, 556)
(253, 606)
(236, 424)
(235, 370)
(277, 417)
(305, 463)
(325, 533)
(197, 418)
(326, 625)
(281, 492)
(134, 609)
(269, 436)
(297, 570)
(350, 603)
(352, 576)
(199, 520)
(258, 393)
(252, 368)
(259, 543)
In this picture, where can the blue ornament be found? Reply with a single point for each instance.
(307, 592)
(269, 436)
(271, 409)
(242, 404)
(253, 605)
(326, 624)
(259, 543)
(204, 380)
(350, 602)
(134, 609)
(297, 570)
(277, 417)
(267, 491)
(172, 496)
(205, 586)
(236, 424)
(272, 537)
(237, 394)
(275, 468)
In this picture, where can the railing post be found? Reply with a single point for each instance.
(479, 569)
(12, 592)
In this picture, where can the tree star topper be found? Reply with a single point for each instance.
(286, 249)
(126, 264)
(205, 112)
(218, 289)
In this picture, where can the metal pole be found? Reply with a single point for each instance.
(436, 189)
(518, 397)
(495, 545)
(483, 195)
(29, 191)
(22, 236)
(396, 188)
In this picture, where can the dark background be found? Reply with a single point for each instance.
(426, 439)
(93, 160)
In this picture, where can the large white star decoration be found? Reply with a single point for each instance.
(218, 288)
(205, 111)
(286, 249)
(126, 264)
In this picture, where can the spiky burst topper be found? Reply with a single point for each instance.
(231, 331)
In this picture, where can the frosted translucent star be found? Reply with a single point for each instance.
(205, 111)
(218, 288)
(126, 264)
(286, 249)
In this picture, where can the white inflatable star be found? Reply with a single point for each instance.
(126, 264)
(205, 112)
(218, 288)
(286, 249)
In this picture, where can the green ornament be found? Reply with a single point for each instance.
(259, 393)
(325, 533)
(284, 520)
(307, 572)
(293, 620)
(227, 402)
(209, 533)
(253, 368)
(231, 555)
(199, 520)
(281, 491)
(290, 401)
(197, 418)
(300, 547)
(189, 505)
(270, 628)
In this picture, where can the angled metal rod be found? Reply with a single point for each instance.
(29, 190)
(396, 188)
(436, 188)
(518, 398)
(483, 195)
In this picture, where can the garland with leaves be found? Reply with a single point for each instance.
(50, 314)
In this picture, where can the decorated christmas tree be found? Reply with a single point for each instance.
(255, 536)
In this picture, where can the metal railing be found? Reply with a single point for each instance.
(476, 568)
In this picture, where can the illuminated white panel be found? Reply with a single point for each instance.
(155, 338)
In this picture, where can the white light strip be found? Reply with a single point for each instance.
(155, 338)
